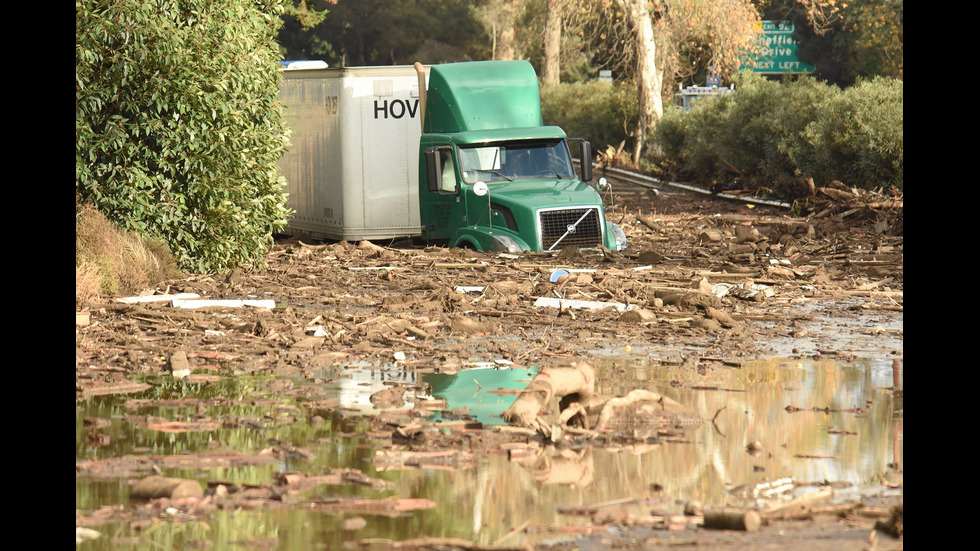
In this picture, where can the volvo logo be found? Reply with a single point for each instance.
(571, 228)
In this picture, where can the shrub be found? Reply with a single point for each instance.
(687, 141)
(774, 135)
(765, 133)
(600, 112)
(858, 137)
(178, 124)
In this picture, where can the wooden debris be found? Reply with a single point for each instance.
(814, 456)
(586, 510)
(223, 303)
(803, 502)
(158, 298)
(83, 319)
(386, 460)
(561, 304)
(431, 544)
(510, 534)
(732, 519)
(582, 409)
(123, 387)
(298, 482)
(390, 506)
(153, 487)
(184, 426)
(579, 379)
(895, 525)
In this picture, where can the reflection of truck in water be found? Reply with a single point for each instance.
(479, 168)
(687, 97)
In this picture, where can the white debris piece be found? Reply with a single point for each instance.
(548, 302)
(158, 298)
(229, 303)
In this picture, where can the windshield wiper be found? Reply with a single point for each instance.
(504, 176)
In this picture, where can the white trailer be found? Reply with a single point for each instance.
(352, 166)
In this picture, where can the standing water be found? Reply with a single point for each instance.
(773, 429)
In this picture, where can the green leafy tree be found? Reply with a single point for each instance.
(381, 32)
(860, 39)
(299, 37)
(178, 126)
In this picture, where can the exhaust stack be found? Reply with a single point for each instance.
(421, 72)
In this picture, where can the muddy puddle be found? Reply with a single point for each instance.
(773, 429)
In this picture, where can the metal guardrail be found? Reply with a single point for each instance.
(649, 182)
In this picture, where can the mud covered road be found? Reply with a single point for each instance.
(706, 283)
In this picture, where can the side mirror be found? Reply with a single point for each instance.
(585, 158)
(433, 174)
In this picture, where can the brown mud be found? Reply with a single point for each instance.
(705, 282)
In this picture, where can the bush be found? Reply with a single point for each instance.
(600, 112)
(178, 124)
(686, 141)
(858, 137)
(773, 135)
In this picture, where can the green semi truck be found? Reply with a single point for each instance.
(453, 154)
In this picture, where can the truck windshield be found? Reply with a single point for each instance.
(509, 161)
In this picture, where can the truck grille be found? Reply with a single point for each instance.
(555, 228)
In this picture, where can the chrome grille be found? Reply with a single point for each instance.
(555, 224)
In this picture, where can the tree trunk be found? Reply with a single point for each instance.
(552, 42)
(505, 31)
(649, 79)
(505, 45)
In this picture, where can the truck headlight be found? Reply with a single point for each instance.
(507, 244)
(620, 236)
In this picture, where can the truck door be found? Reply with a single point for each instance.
(441, 208)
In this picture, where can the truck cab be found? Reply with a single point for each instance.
(492, 176)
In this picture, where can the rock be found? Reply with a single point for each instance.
(703, 286)
(470, 326)
(747, 234)
(650, 257)
(741, 248)
(710, 236)
(308, 343)
(708, 324)
(721, 316)
(179, 366)
(638, 315)
(688, 299)
(388, 398)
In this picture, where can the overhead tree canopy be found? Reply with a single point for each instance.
(380, 32)
(846, 42)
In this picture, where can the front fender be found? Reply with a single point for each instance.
(485, 240)
(615, 237)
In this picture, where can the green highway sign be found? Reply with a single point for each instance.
(778, 55)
